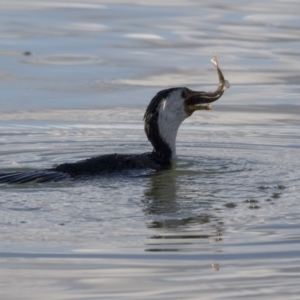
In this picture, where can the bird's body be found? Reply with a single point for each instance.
(166, 111)
(112, 163)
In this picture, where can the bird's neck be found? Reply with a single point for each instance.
(162, 148)
(163, 126)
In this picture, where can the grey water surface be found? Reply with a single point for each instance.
(76, 77)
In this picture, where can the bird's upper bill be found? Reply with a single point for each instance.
(199, 100)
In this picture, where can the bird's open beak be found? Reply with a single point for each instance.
(199, 100)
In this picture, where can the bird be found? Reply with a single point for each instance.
(163, 116)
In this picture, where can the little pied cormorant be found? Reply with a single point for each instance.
(166, 111)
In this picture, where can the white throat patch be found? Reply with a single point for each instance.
(171, 115)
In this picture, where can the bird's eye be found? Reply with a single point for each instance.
(184, 94)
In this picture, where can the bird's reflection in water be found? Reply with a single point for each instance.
(180, 219)
(161, 196)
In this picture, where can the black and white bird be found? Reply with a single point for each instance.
(166, 111)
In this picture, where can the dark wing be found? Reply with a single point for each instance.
(110, 163)
(33, 176)
(100, 165)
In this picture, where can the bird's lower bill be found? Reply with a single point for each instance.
(191, 108)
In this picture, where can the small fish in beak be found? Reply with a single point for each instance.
(195, 100)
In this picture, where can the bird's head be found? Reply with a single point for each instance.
(169, 108)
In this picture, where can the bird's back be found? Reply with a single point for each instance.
(99, 165)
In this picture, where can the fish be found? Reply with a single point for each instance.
(208, 97)
(223, 84)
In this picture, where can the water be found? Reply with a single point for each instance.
(223, 223)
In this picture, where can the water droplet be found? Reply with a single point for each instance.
(215, 266)
(280, 187)
(230, 205)
(254, 207)
(251, 201)
(276, 195)
(263, 187)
